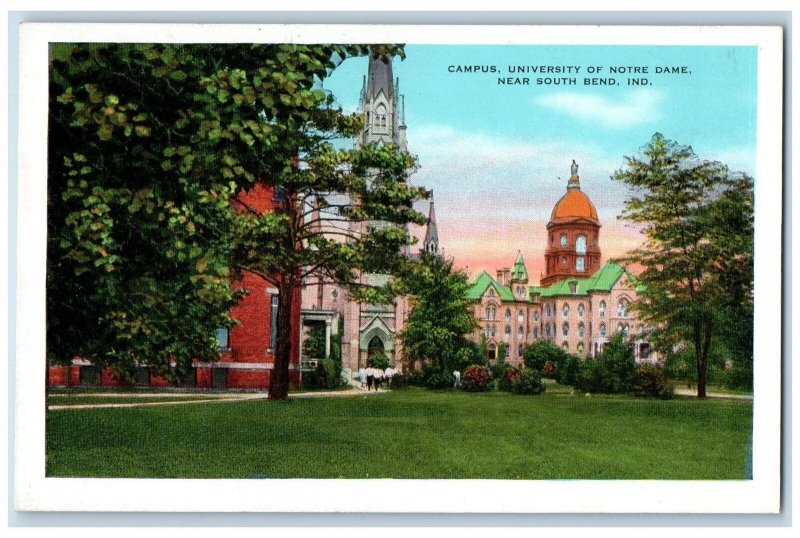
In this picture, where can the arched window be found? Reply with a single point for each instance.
(490, 313)
(580, 244)
(547, 329)
(581, 330)
(581, 310)
(536, 333)
(491, 292)
(565, 346)
(549, 310)
(565, 329)
(519, 351)
(507, 333)
(507, 315)
(563, 240)
(375, 347)
(622, 308)
(623, 328)
(602, 309)
(536, 315)
(602, 329)
(521, 316)
(580, 264)
(566, 310)
(520, 332)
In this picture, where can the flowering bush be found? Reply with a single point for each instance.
(529, 382)
(549, 370)
(509, 377)
(476, 379)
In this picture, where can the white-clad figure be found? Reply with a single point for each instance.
(456, 379)
(387, 375)
(378, 378)
(362, 376)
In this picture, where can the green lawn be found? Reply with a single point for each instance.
(410, 433)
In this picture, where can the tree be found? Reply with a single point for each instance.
(151, 147)
(439, 321)
(343, 213)
(697, 218)
(138, 208)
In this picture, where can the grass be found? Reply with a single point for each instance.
(410, 433)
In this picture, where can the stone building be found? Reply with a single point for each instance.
(368, 329)
(579, 304)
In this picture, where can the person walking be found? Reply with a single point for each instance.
(456, 379)
(378, 378)
(370, 378)
(362, 376)
(387, 375)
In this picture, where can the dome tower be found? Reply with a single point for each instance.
(573, 248)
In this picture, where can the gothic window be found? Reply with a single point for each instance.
(602, 329)
(490, 313)
(602, 309)
(549, 310)
(580, 264)
(566, 310)
(565, 329)
(520, 332)
(547, 329)
(521, 316)
(580, 244)
(581, 330)
(491, 292)
(381, 115)
(623, 328)
(508, 314)
(622, 308)
(581, 310)
(535, 333)
(535, 315)
(493, 331)
(563, 240)
(519, 351)
(507, 333)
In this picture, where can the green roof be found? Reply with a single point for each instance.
(482, 283)
(602, 280)
(519, 272)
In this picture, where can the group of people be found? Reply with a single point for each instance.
(373, 377)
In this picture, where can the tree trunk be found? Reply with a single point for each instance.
(279, 379)
(702, 341)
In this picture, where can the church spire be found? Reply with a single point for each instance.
(431, 243)
(380, 78)
(519, 273)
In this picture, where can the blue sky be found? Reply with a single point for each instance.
(498, 156)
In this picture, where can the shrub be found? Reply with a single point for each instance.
(416, 378)
(437, 380)
(529, 382)
(652, 382)
(549, 370)
(539, 354)
(567, 372)
(614, 371)
(378, 361)
(328, 375)
(476, 379)
(399, 381)
(510, 376)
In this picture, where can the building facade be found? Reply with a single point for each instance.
(247, 349)
(579, 304)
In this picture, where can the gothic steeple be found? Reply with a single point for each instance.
(380, 104)
(431, 243)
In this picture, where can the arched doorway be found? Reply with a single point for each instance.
(375, 347)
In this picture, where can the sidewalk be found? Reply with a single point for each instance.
(719, 395)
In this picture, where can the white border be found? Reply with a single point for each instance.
(33, 491)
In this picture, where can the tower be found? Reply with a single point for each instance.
(382, 105)
(573, 248)
(431, 242)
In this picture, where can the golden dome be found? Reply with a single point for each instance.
(574, 204)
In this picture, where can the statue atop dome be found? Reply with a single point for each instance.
(574, 168)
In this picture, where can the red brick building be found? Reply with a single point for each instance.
(248, 349)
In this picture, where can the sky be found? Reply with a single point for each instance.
(498, 156)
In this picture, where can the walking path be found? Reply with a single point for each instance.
(194, 398)
(720, 395)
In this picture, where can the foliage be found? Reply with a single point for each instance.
(139, 212)
(528, 382)
(476, 379)
(537, 355)
(152, 148)
(378, 361)
(697, 217)
(549, 370)
(437, 380)
(439, 321)
(327, 375)
(614, 371)
(567, 370)
(652, 382)
(314, 344)
(509, 378)
(399, 381)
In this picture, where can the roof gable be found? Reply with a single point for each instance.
(482, 283)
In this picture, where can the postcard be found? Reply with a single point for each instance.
(304, 268)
